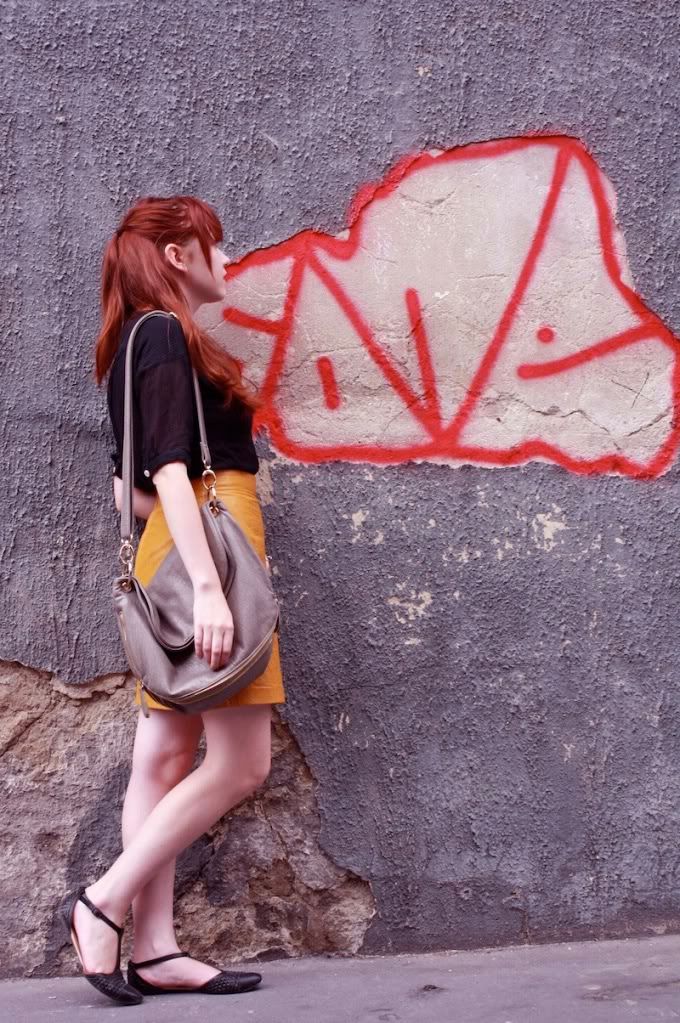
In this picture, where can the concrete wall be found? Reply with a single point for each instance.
(478, 635)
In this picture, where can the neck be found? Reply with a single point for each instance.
(191, 300)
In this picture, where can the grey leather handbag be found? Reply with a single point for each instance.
(156, 621)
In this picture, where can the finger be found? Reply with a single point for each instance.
(226, 649)
(228, 642)
(216, 659)
(198, 641)
(207, 642)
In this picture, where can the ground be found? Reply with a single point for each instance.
(586, 982)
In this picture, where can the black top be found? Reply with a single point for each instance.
(165, 421)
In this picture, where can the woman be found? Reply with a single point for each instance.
(165, 255)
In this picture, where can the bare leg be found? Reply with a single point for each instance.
(237, 761)
(164, 753)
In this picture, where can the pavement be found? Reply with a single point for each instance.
(585, 982)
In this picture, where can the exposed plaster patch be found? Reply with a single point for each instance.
(461, 555)
(358, 519)
(264, 482)
(546, 526)
(407, 609)
(384, 345)
(501, 548)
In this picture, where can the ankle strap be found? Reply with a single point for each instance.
(158, 959)
(96, 911)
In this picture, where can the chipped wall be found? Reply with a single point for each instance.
(480, 659)
(479, 308)
(257, 885)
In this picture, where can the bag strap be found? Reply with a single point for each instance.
(126, 514)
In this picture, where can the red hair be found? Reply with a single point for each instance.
(136, 277)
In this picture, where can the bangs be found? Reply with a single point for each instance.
(205, 224)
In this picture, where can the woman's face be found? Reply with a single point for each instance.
(201, 283)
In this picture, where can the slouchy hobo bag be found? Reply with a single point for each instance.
(156, 621)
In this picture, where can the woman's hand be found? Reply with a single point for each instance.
(213, 625)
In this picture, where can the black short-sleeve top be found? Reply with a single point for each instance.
(165, 420)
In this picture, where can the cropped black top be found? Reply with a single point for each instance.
(165, 420)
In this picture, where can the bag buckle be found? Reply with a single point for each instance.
(210, 487)
(126, 556)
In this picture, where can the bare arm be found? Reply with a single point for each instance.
(213, 622)
(142, 503)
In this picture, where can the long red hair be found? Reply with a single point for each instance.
(136, 278)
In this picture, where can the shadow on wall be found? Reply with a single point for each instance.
(479, 309)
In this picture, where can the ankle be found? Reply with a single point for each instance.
(148, 947)
(102, 899)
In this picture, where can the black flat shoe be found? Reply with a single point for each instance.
(110, 984)
(228, 982)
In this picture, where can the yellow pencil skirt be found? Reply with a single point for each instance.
(237, 490)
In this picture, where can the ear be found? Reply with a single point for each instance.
(175, 256)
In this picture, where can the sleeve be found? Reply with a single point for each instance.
(117, 469)
(165, 394)
(114, 452)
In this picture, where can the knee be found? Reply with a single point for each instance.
(252, 773)
(241, 780)
(257, 773)
(164, 766)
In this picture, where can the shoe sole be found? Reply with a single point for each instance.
(147, 989)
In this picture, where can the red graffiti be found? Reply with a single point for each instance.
(307, 257)
(328, 381)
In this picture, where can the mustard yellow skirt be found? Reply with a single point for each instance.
(237, 490)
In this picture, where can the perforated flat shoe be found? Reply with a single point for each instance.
(110, 984)
(227, 982)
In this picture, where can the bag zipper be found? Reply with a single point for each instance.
(218, 682)
(244, 667)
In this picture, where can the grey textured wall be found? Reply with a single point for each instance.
(516, 774)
